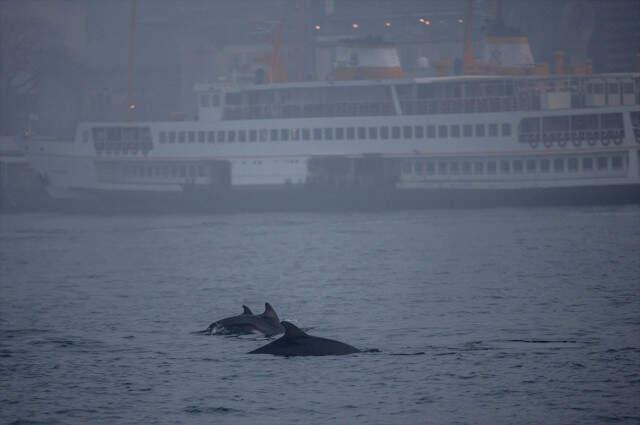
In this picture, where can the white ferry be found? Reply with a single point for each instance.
(405, 142)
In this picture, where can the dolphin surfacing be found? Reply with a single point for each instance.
(296, 342)
(266, 323)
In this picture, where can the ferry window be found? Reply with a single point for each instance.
(145, 133)
(253, 135)
(172, 137)
(453, 167)
(419, 167)
(491, 167)
(99, 134)
(467, 130)
(466, 168)
(149, 171)
(587, 164)
(264, 134)
(406, 167)
(558, 165)
(395, 132)
(340, 133)
(284, 134)
(616, 162)
(183, 171)
(627, 88)
(204, 100)
(455, 131)
(231, 136)
(295, 134)
(163, 137)
(351, 133)
(202, 172)
(182, 136)
(506, 129)
(407, 132)
(431, 131)
(201, 136)
(493, 130)
(373, 132)
(192, 136)
(478, 168)
(242, 135)
(317, 134)
(306, 134)
(572, 165)
(215, 100)
(328, 133)
(384, 132)
(603, 163)
(443, 131)
(517, 165)
(505, 166)
(598, 88)
(611, 121)
(613, 88)
(273, 135)
(221, 136)
(362, 133)
(480, 130)
(174, 172)
(211, 136)
(113, 134)
(442, 168)
(419, 131)
(531, 165)
(192, 171)
(431, 168)
(544, 165)
(85, 136)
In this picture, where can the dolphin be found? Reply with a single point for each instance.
(295, 342)
(266, 323)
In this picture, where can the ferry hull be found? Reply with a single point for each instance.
(313, 199)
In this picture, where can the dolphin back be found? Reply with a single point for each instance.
(297, 343)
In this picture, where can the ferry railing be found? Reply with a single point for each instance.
(408, 107)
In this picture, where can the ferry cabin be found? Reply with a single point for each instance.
(456, 132)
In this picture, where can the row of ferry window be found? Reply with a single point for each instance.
(177, 170)
(432, 167)
(340, 133)
(145, 171)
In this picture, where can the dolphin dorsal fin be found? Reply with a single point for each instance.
(269, 311)
(291, 330)
(246, 310)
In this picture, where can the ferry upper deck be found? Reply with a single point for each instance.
(418, 96)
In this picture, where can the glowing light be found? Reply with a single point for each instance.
(460, 20)
(421, 20)
(132, 106)
(317, 27)
(387, 24)
(355, 26)
(427, 22)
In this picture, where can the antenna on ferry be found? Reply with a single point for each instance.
(468, 59)
(131, 106)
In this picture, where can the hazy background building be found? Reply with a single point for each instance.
(67, 60)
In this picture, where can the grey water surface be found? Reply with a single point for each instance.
(490, 316)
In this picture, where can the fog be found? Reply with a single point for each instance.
(68, 61)
(319, 211)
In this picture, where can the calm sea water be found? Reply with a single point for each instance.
(489, 316)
